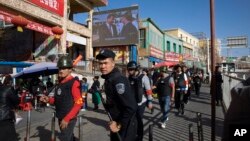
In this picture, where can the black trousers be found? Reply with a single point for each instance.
(197, 89)
(127, 132)
(67, 134)
(179, 99)
(7, 131)
(139, 116)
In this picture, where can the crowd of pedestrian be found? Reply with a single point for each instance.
(127, 96)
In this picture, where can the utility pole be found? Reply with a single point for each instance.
(208, 60)
(212, 28)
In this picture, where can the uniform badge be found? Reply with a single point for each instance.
(102, 51)
(59, 91)
(120, 88)
(132, 82)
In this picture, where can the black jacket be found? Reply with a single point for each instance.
(8, 102)
(120, 100)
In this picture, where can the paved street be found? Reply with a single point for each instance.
(94, 124)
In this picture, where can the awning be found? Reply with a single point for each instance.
(16, 64)
(153, 59)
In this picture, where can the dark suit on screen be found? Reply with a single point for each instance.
(130, 32)
(105, 32)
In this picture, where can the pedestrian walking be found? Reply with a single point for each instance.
(95, 90)
(67, 99)
(8, 103)
(197, 83)
(85, 88)
(218, 87)
(187, 95)
(181, 87)
(165, 88)
(140, 84)
(120, 100)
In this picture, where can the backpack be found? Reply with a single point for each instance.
(137, 87)
(180, 81)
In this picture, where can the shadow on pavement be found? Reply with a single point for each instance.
(42, 133)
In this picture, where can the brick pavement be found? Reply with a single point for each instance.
(94, 124)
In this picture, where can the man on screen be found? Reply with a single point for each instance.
(129, 31)
(108, 30)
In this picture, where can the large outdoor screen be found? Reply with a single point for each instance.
(116, 27)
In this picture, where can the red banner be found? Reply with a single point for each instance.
(187, 57)
(31, 25)
(155, 52)
(172, 56)
(55, 6)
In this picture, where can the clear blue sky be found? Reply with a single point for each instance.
(232, 17)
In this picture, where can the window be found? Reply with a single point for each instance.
(179, 49)
(142, 38)
(168, 46)
(174, 47)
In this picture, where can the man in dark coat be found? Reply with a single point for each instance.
(8, 102)
(120, 100)
(129, 31)
(218, 82)
(108, 30)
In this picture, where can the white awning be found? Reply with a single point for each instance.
(76, 39)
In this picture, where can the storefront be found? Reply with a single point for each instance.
(35, 41)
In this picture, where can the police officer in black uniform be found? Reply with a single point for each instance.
(120, 100)
(141, 87)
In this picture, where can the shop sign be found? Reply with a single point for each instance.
(187, 57)
(31, 25)
(155, 52)
(55, 6)
(172, 56)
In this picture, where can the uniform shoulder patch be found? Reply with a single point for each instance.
(120, 88)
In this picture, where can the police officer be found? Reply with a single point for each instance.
(120, 101)
(140, 84)
(67, 99)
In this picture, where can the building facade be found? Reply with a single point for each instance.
(49, 29)
(151, 49)
(190, 45)
(173, 49)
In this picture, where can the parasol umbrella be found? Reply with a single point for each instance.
(43, 68)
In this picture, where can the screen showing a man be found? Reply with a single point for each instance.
(116, 27)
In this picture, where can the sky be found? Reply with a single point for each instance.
(232, 17)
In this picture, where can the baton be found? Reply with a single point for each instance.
(109, 115)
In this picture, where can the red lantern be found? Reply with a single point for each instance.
(20, 22)
(58, 31)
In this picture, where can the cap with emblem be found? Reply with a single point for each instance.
(65, 62)
(105, 53)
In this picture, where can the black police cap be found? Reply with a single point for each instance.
(105, 53)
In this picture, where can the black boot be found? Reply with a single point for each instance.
(182, 111)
